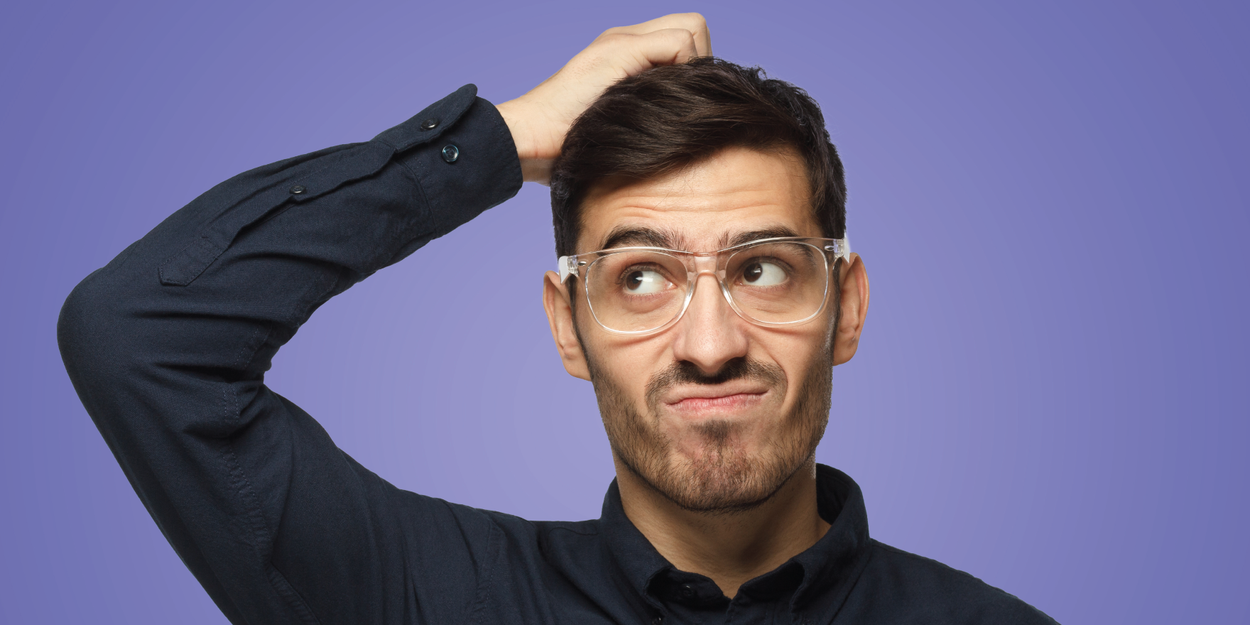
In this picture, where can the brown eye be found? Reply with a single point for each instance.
(762, 273)
(644, 281)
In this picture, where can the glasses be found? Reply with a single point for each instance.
(770, 282)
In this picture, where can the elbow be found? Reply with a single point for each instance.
(86, 334)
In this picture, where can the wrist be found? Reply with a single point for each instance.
(517, 116)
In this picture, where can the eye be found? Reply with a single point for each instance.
(763, 273)
(644, 281)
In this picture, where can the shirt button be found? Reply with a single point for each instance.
(297, 189)
(451, 153)
(657, 620)
(429, 124)
(686, 591)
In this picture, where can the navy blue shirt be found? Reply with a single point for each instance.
(167, 347)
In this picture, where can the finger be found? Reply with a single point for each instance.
(666, 47)
(692, 22)
(696, 24)
(703, 41)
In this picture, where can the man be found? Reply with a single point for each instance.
(705, 287)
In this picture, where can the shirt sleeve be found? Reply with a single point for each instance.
(168, 344)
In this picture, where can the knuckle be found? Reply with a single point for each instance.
(601, 43)
(611, 37)
(695, 19)
(682, 37)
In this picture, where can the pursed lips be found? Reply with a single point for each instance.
(722, 397)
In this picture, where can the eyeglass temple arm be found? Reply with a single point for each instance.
(843, 247)
(568, 265)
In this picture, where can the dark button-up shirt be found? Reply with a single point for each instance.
(167, 346)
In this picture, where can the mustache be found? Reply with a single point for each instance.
(685, 372)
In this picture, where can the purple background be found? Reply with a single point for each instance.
(1051, 200)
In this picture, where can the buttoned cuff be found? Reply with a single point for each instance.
(461, 153)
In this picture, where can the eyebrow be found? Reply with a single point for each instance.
(756, 235)
(629, 236)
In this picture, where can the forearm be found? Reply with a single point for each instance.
(167, 345)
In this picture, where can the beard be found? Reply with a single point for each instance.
(722, 478)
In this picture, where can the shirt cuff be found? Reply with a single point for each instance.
(462, 156)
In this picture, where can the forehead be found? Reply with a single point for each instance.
(705, 206)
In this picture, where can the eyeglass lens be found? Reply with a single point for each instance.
(640, 290)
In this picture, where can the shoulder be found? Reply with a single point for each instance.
(561, 543)
(917, 589)
(551, 557)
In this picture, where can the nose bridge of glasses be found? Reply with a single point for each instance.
(706, 264)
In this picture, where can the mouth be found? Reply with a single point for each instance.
(720, 400)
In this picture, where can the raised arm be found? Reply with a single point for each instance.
(167, 347)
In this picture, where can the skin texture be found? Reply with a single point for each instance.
(714, 421)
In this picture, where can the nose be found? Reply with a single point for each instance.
(710, 333)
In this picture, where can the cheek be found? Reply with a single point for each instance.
(628, 364)
(797, 353)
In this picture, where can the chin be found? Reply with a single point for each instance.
(720, 474)
(715, 463)
(713, 485)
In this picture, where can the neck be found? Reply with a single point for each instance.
(729, 548)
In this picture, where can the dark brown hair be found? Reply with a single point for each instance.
(673, 116)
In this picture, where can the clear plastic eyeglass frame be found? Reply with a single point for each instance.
(699, 263)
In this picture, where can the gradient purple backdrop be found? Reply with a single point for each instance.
(1050, 200)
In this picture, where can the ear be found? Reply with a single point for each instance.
(560, 316)
(854, 305)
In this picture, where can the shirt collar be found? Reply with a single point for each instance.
(633, 553)
(820, 577)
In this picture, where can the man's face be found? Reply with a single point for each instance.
(714, 413)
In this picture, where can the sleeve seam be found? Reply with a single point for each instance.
(259, 532)
(283, 587)
(486, 576)
(416, 180)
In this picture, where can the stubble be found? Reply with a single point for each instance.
(721, 478)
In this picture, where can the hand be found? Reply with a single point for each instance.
(540, 118)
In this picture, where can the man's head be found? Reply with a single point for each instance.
(672, 116)
(715, 413)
